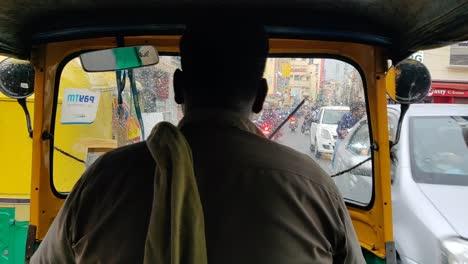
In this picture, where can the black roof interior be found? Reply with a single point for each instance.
(401, 25)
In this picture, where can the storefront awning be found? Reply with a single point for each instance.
(448, 89)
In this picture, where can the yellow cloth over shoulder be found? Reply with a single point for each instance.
(176, 232)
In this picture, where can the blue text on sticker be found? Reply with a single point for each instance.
(80, 98)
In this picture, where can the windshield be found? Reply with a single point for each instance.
(441, 156)
(94, 115)
(331, 117)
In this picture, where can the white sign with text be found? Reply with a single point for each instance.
(79, 106)
(419, 56)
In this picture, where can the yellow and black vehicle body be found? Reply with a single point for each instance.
(50, 35)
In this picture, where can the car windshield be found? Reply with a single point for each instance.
(331, 117)
(440, 156)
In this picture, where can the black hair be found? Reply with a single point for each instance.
(223, 62)
(356, 106)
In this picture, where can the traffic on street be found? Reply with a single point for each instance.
(301, 142)
(429, 169)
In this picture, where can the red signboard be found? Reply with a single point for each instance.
(448, 89)
(448, 92)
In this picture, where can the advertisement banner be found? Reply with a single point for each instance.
(79, 106)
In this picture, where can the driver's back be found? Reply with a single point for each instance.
(264, 202)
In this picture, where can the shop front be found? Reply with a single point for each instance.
(448, 93)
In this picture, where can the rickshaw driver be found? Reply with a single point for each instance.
(262, 202)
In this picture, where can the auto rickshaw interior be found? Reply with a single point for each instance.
(121, 107)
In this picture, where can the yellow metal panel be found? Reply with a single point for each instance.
(380, 135)
(15, 149)
(390, 82)
(44, 205)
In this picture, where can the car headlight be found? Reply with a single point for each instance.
(455, 251)
(325, 134)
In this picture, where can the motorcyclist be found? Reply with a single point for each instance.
(293, 122)
(307, 121)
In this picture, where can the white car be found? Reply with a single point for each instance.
(323, 129)
(429, 181)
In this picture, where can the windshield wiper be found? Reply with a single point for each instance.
(352, 168)
(287, 118)
(69, 155)
(291, 114)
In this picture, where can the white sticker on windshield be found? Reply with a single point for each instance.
(79, 106)
(24, 85)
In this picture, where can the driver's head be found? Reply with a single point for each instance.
(222, 67)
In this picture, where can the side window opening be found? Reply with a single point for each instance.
(92, 118)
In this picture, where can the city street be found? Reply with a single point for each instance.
(353, 187)
(301, 142)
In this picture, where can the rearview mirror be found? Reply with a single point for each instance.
(412, 82)
(16, 78)
(119, 58)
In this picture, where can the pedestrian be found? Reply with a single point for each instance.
(348, 120)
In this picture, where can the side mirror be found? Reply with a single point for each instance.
(16, 78)
(119, 58)
(407, 83)
(412, 82)
(17, 81)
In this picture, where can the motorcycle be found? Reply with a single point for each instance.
(267, 127)
(293, 123)
(305, 128)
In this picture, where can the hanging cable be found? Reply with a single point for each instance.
(136, 101)
(121, 80)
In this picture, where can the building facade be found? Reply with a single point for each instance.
(449, 71)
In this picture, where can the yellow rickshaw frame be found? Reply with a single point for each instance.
(373, 226)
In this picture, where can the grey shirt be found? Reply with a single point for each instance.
(263, 203)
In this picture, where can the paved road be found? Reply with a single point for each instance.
(353, 189)
(301, 142)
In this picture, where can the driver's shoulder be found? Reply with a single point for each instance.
(133, 154)
(122, 163)
(274, 157)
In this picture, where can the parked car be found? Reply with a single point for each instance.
(323, 129)
(429, 180)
